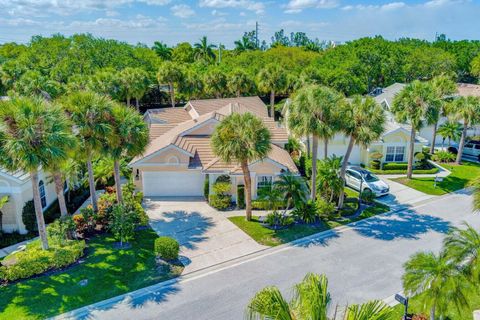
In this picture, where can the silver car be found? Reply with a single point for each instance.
(361, 179)
(472, 149)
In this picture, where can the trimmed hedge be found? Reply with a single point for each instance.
(220, 202)
(167, 248)
(241, 196)
(395, 166)
(33, 260)
(417, 171)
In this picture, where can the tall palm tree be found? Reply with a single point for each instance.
(364, 122)
(133, 83)
(215, 82)
(467, 110)
(293, 188)
(436, 280)
(413, 105)
(162, 50)
(443, 87)
(33, 134)
(312, 112)
(239, 82)
(242, 138)
(272, 79)
(191, 85)
(204, 50)
(170, 73)
(450, 130)
(310, 301)
(372, 310)
(105, 82)
(463, 246)
(129, 138)
(91, 115)
(244, 44)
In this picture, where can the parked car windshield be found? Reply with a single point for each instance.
(369, 177)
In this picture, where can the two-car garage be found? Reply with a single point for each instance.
(173, 183)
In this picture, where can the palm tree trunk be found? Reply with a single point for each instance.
(443, 144)
(137, 104)
(432, 147)
(57, 178)
(42, 232)
(308, 146)
(410, 154)
(313, 194)
(272, 104)
(118, 185)
(238, 93)
(248, 190)
(462, 143)
(128, 101)
(343, 169)
(172, 94)
(91, 183)
(432, 313)
(325, 148)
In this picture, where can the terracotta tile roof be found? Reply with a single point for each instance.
(253, 104)
(278, 155)
(169, 115)
(279, 134)
(467, 89)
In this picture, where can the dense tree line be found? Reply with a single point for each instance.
(57, 65)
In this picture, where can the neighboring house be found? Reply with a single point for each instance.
(179, 156)
(18, 187)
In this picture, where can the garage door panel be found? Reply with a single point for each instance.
(173, 184)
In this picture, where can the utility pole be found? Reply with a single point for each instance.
(256, 35)
(220, 53)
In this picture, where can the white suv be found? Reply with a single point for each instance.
(361, 179)
(472, 149)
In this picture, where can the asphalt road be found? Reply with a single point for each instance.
(362, 262)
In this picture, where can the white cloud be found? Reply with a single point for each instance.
(385, 7)
(256, 6)
(296, 6)
(440, 3)
(182, 11)
(140, 22)
(217, 13)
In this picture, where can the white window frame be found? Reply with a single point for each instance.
(260, 180)
(396, 153)
(43, 194)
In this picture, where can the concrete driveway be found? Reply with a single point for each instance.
(205, 235)
(402, 196)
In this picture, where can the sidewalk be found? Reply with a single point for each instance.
(13, 248)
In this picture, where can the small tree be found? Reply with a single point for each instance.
(122, 224)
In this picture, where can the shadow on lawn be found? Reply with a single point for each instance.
(188, 228)
(401, 225)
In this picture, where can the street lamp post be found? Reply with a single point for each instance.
(404, 301)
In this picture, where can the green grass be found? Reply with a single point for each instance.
(110, 272)
(459, 178)
(273, 238)
(453, 314)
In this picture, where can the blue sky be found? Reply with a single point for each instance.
(224, 21)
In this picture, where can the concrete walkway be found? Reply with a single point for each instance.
(14, 248)
(205, 235)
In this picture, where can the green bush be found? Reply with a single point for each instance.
(167, 248)
(276, 219)
(206, 188)
(61, 229)
(29, 218)
(443, 156)
(306, 212)
(221, 188)
(394, 166)
(375, 164)
(241, 196)
(33, 260)
(368, 196)
(220, 202)
(325, 209)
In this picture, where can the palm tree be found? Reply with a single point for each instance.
(162, 50)
(191, 85)
(105, 82)
(310, 301)
(204, 50)
(312, 112)
(364, 121)
(443, 87)
(33, 135)
(328, 177)
(170, 73)
(239, 82)
(466, 109)
(436, 280)
(476, 193)
(91, 115)
(272, 79)
(412, 105)
(372, 310)
(215, 82)
(463, 246)
(244, 44)
(133, 83)
(129, 138)
(450, 130)
(242, 138)
(293, 188)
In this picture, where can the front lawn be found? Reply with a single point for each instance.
(269, 237)
(110, 272)
(459, 178)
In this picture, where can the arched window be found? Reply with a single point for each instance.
(173, 160)
(43, 195)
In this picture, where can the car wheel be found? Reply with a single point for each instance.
(452, 150)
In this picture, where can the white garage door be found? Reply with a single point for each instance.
(173, 184)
